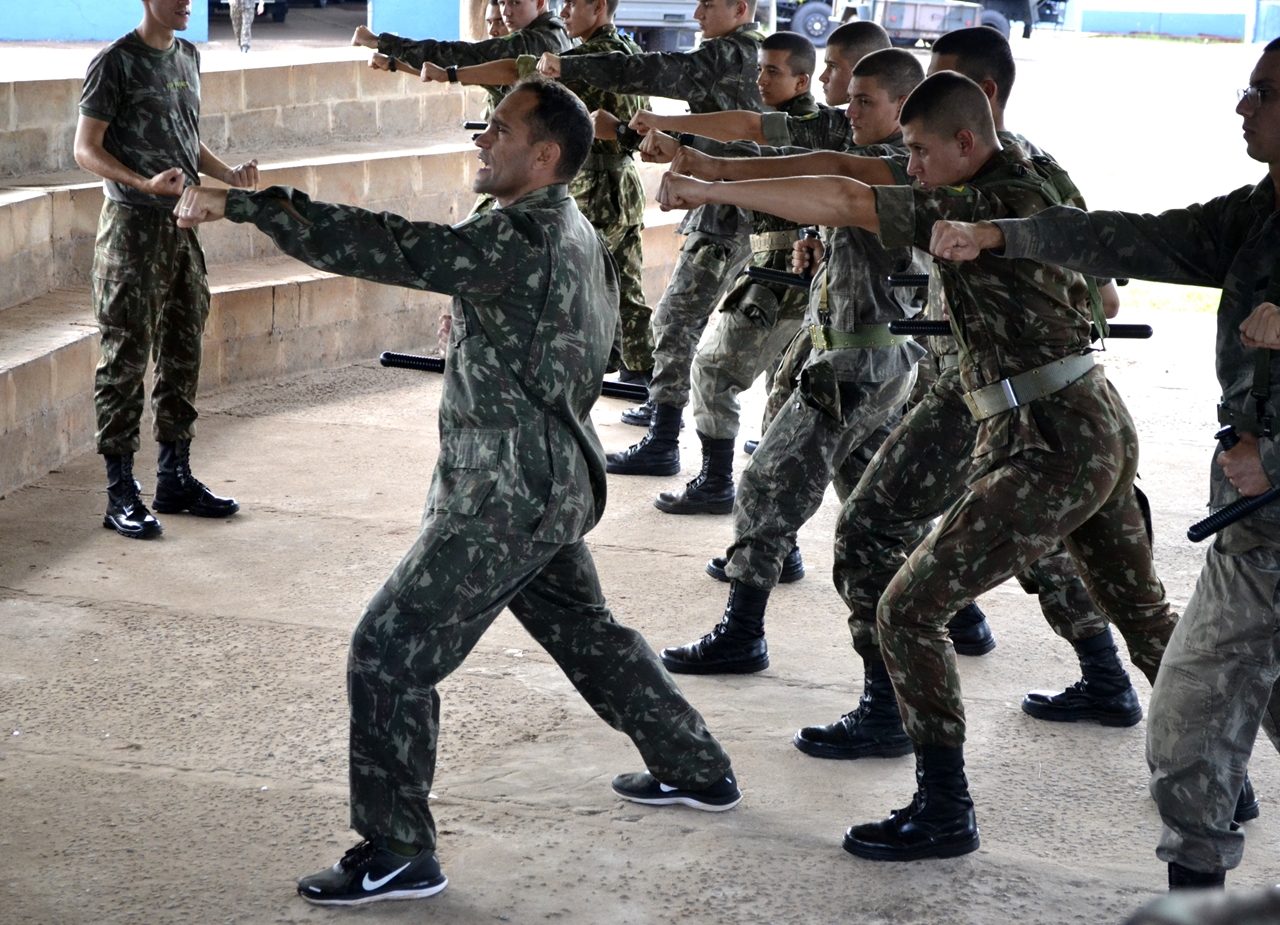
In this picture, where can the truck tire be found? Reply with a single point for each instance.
(279, 10)
(997, 21)
(813, 21)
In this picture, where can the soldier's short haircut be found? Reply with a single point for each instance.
(802, 58)
(897, 70)
(1273, 45)
(984, 54)
(947, 102)
(858, 38)
(561, 117)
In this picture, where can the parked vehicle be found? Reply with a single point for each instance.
(811, 18)
(997, 14)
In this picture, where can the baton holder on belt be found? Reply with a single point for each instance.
(628, 390)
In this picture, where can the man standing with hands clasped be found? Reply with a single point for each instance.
(1217, 679)
(519, 481)
(139, 130)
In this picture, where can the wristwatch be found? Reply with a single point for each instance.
(685, 139)
(624, 131)
(392, 66)
(452, 73)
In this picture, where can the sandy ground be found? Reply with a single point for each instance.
(174, 717)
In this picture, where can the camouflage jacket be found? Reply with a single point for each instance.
(546, 33)
(825, 128)
(608, 188)
(534, 320)
(150, 100)
(1232, 243)
(1008, 316)
(718, 75)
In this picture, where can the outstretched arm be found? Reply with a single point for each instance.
(871, 171)
(833, 201)
(722, 126)
(501, 73)
(380, 247)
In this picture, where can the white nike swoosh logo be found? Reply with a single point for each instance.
(665, 788)
(375, 884)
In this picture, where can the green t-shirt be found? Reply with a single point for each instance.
(151, 99)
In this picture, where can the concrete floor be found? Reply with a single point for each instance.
(174, 716)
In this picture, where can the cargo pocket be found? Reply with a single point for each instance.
(470, 465)
(760, 304)
(116, 266)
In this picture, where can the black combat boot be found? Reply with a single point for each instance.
(640, 415)
(1184, 878)
(792, 568)
(872, 730)
(970, 632)
(1103, 694)
(636, 376)
(750, 446)
(712, 491)
(658, 453)
(177, 490)
(126, 514)
(735, 645)
(938, 823)
(1246, 804)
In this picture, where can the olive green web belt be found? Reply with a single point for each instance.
(1008, 394)
(864, 338)
(774, 241)
(605, 161)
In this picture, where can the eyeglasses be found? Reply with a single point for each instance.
(1255, 97)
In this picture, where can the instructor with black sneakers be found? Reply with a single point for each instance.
(139, 130)
(519, 482)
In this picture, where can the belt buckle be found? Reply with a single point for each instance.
(819, 337)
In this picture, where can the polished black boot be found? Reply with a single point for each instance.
(792, 568)
(735, 646)
(872, 730)
(1184, 878)
(126, 514)
(938, 823)
(1103, 694)
(970, 632)
(658, 453)
(177, 490)
(1247, 807)
(712, 491)
(640, 415)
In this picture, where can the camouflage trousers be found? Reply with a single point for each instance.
(242, 12)
(150, 297)
(1216, 684)
(803, 450)
(704, 271)
(997, 520)
(634, 344)
(432, 611)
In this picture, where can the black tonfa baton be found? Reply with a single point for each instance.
(1236, 510)
(778, 277)
(628, 390)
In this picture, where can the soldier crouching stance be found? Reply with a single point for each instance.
(139, 130)
(520, 479)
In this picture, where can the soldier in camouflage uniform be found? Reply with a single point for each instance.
(139, 130)
(719, 74)
(1217, 683)
(608, 189)
(534, 29)
(519, 481)
(853, 382)
(1056, 446)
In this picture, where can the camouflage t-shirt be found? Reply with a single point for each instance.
(151, 99)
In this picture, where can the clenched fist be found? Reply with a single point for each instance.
(549, 65)
(200, 204)
(1262, 327)
(964, 241)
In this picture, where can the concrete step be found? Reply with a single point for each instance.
(48, 221)
(247, 110)
(268, 318)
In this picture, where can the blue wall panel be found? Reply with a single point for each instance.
(417, 19)
(1225, 25)
(85, 20)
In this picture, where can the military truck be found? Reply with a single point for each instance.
(907, 26)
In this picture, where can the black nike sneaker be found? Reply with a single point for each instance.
(371, 872)
(645, 788)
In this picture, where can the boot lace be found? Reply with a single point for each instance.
(357, 857)
(182, 469)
